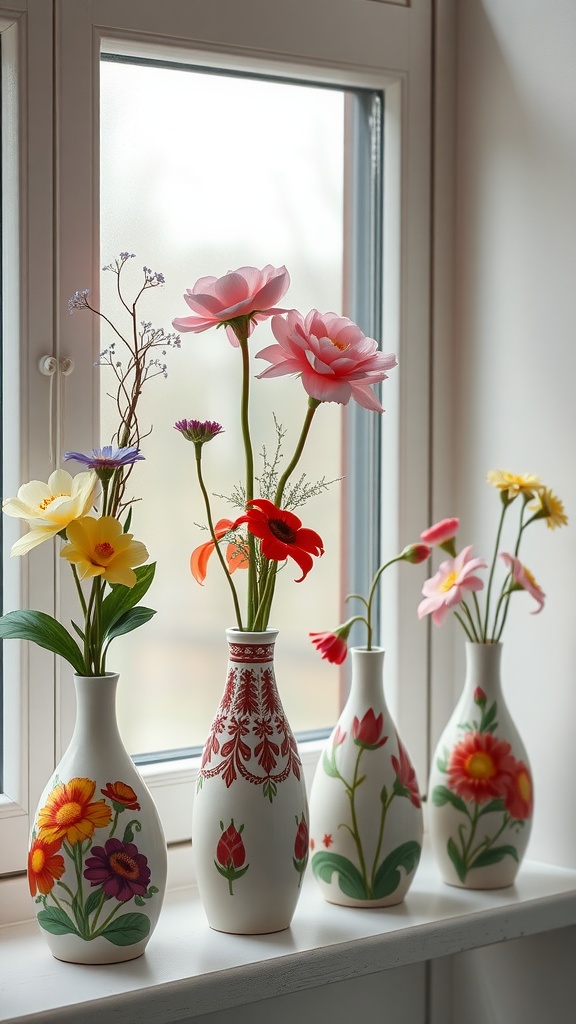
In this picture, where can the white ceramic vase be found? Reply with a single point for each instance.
(250, 813)
(365, 811)
(97, 855)
(480, 787)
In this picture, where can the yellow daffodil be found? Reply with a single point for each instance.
(550, 508)
(514, 484)
(50, 508)
(98, 547)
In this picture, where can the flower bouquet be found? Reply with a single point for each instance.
(250, 782)
(86, 873)
(481, 789)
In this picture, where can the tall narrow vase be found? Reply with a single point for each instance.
(97, 857)
(480, 790)
(365, 811)
(250, 815)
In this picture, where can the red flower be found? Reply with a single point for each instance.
(327, 839)
(281, 534)
(230, 852)
(119, 868)
(367, 732)
(441, 533)
(301, 841)
(519, 796)
(479, 696)
(234, 555)
(406, 776)
(331, 646)
(45, 865)
(121, 793)
(480, 767)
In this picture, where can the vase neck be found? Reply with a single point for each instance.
(95, 707)
(483, 668)
(366, 684)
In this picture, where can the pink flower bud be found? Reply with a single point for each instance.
(416, 553)
(441, 532)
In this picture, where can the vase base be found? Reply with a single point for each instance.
(97, 957)
(248, 930)
(390, 901)
(480, 886)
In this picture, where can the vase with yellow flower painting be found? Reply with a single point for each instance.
(480, 791)
(97, 855)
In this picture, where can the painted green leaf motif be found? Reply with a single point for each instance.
(494, 805)
(94, 900)
(388, 876)
(329, 766)
(127, 929)
(45, 631)
(324, 864)
(493, 855)
(489, 723)
(442, 795)
(456, 859)
(131, 827)
(56, 922)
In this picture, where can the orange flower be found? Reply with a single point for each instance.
(123, 794)
(69, 814)
(519, 797)
(480, 767)
(45, 866)
(234, 554)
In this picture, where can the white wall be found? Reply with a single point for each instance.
(515, 362)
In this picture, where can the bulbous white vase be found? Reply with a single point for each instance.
(365, 811)
(97, 855)
(480, 786)
(250, 813)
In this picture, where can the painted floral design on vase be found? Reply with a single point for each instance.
(365, 809)
(97, 854)
(250, 813)
(481, 791)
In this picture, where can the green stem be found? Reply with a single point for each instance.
(241, 332)
(313, 404)
(107, 921)
(398, 558)
(355, 830)
(464, 627)
(385, 806)
(97, 914)
(221, 558)
(492, 568)
(487, 843)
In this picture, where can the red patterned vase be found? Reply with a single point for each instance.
(250, 815)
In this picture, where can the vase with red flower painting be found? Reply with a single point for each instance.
(97, 854)
(365, 810)
(250, 812)
(480, 787)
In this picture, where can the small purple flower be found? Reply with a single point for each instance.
(107, 459)
(198, 431)
(119, 868)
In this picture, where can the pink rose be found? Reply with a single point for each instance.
(246, 292)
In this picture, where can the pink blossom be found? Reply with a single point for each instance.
(448, 587)
(441, 532)
(524, 579)
(246, 292)
(335, 359)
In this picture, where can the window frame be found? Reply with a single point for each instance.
(383, 47)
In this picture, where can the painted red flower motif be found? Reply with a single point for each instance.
(119, 868)
(480, 767)
(45, 865)
(519, 797)
(367, 732)
(281, 534)
(123, 794)
(339, 736)
(405, 774)
(230, 852)
(327, 840)
(301, 841)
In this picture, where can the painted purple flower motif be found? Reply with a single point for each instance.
(107, 459)
(198, 431)
(119, 869)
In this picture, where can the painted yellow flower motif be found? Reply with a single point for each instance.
(70, 813)
(551, 509)
(50, 508)
(98, 547)
(514, 484)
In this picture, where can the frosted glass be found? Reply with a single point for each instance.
(201, 174)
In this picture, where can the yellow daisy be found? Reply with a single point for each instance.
(98, 547)
(514, 484)
(551, 508)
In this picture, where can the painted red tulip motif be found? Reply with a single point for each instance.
(231, 854)
(300, 858)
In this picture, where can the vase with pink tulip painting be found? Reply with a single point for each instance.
(481, 792)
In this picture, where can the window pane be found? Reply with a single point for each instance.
(201, 174)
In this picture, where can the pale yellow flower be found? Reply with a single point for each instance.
(527, 483)
(551, 509)
(50, 508)
(98, 547)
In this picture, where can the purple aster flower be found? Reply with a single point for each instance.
(198, 431)
(119, 868)
(107, 458)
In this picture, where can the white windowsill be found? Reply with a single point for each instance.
(189, 970)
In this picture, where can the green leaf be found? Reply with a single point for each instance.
(127, 929)
(324, 864)
(121, 598)
(56, 922)
(132, 826)
(442, 795)
(488, 722)
(329, 765)
(388, 876)
(45, 631)
(131, 619)
(494, 805)
(93, 902)
(456, 859)
(493, 855)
